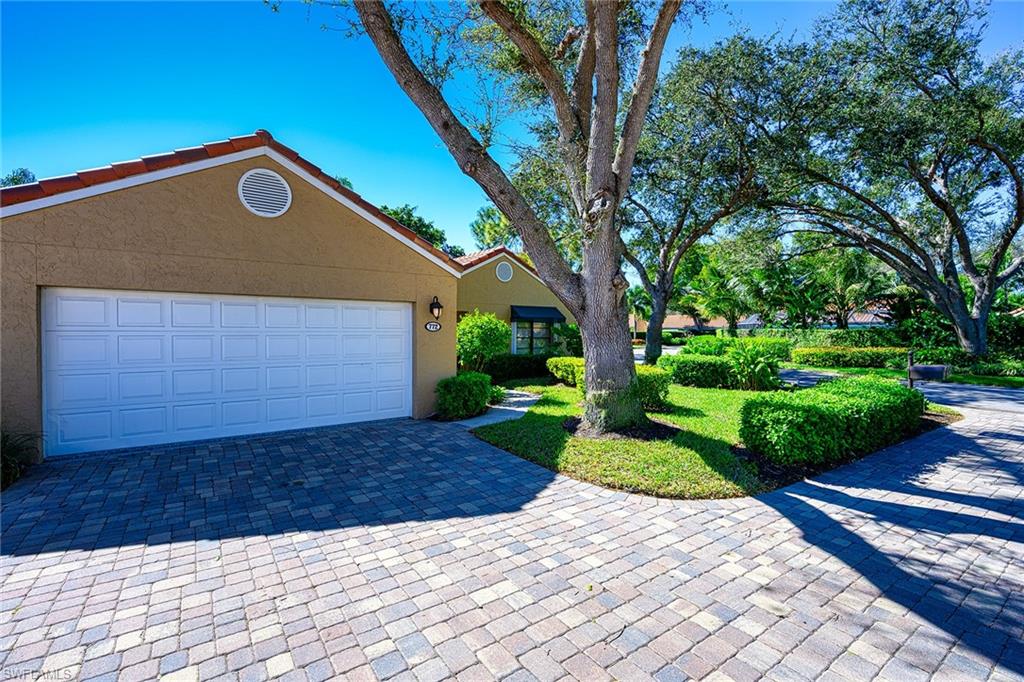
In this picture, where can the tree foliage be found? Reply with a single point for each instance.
(18, 176)
(480, 337)
(407, 215)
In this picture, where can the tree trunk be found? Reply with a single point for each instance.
(972, 332)
(611, 401)
(652, 348)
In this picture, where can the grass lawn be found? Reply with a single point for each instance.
(976, 379)
(697, 463)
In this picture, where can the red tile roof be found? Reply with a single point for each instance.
(477, 257)
(48, 187)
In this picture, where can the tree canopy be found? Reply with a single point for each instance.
(407, 215)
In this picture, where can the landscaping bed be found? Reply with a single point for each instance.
(692, 451)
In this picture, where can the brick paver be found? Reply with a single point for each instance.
(412, 551)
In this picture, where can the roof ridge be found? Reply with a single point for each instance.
(48, 187)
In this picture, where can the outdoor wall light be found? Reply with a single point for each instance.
(436, 308)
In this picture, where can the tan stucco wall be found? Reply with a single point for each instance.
(481, 289)
(191, 234)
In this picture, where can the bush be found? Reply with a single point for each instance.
(568, 339)
(479, 337)
(709, 345)
(652, 386)
(508, 366)
(869, 337)
(848, 357)
(703, 371)
(1002, 368)
(17, 451)
(779, 349)
(836, 419)
(565, 369)
(673, 338)
(463, 395)
(497, 396)
(755, 366)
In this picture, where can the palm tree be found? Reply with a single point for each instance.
(639, 303)
(720, 294)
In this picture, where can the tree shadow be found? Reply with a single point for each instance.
(981, 606)
(309, 480)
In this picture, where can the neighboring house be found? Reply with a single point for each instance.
(219, 290)
(498, 281)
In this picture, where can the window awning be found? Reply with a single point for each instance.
(537, 313)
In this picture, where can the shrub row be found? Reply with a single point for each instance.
(777, 348)
(836, 419)
(871, 337)
(849, 357)
(651, 383)
(463, 395)
(507, 366)
(702, 371)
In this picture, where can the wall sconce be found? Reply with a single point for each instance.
(436, 308)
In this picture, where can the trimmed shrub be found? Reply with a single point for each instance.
(825, 424)
(779, 349)
(943, 355)
(463, 395)
(568, 339)
(870, 337)
(1002, 368)
(497, 395)
(652, 386)
(848, 357)
(703, 371)
(754, 366)
(709, 345)
(508, 366)
(479, 337)
(673, 338)
(565, 369)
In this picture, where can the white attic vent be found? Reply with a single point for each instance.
(264, 192)
(503, 271)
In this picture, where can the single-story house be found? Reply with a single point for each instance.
(498, 281)
(220, 290)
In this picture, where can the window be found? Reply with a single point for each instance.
(531, 337)
(503, 271)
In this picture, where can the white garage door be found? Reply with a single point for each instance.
(123, 368)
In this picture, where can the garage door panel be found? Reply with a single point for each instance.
(124, 369)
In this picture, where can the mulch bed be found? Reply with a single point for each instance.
(652, 430)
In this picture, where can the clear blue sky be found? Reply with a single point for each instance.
(85, 84)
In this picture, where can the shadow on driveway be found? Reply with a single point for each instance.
(310, 480)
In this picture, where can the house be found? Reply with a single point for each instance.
(219, 290)
(498, 281)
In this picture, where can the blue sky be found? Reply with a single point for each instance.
(85, 84)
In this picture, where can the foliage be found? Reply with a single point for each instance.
(755, 367)
(834, 420)
(497, 395)
(407, 216)
(17, 451)
(568, 339)
(480, 337)
(720, 294)
(698, 463)
(344, 182)
(508, 366)
(1003, 368)
(18, 176)
(652, 384)
(709, 345)
(463, 395)
(704, 371)
(491, 228)
(568, 370)
(673, 338)
(638, 303)
(814, 338)
(778, 349)
(838, 356)
(890, 132)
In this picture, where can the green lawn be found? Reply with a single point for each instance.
(696, 464)
(976, 379)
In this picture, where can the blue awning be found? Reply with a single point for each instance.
(537, 313)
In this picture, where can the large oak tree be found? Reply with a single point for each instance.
(579, 72)
(890, 132)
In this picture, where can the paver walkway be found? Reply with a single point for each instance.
(411, 550)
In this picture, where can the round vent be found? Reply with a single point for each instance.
(264, 192)
(503, 271)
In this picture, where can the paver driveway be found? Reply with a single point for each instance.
(410, 549)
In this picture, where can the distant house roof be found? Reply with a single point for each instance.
(471, 260)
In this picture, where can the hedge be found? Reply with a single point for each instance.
(652, 386)
(827, 423)
(463, 395)
(778, 348)
(508, 366)
(703, 371)
(848, 356)
(565, 369)
(870, 337)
